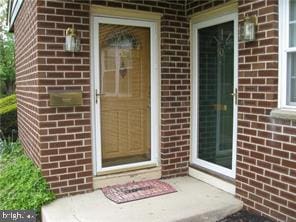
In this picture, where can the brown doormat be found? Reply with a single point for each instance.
(137, 190)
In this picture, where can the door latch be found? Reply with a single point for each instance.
(235, 96)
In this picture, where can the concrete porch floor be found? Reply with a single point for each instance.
(195, 201)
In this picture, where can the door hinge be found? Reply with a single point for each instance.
(98, 94)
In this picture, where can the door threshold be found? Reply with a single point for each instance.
(130, 175)
(126, 169)
(213, 173)
(222, 182)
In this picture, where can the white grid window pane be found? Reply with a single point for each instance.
(292, 10)
(292, 28)
(293, 35)
(291, 78)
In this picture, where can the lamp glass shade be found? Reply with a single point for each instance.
(249, 31)
(72, 44)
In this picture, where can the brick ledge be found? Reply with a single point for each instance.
(283, 114)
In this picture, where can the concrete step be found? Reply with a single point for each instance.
(195, 201)
(126, 177)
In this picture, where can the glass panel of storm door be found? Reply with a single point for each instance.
(215, 100)
(125, 94)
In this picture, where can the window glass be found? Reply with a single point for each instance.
(125, 94)
(292, 10)
(215, 101)
(292, 24)
(292, 77)
(121, 64)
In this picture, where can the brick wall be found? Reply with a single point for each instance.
(193, 6)
(266, 161)
(65, 132)
(60, 138)
(27, 79)
(57, 139)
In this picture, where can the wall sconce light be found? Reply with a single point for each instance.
(247, 30)
(72, 41)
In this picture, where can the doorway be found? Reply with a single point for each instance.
(125, 80)
(215, 94)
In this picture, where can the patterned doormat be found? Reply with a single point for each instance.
(137, 190)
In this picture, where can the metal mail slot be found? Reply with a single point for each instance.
(58, 99)
(219, 107)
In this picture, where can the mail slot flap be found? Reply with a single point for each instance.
(57, 99)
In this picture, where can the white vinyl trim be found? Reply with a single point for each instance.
(212, 180)
(92, 100)
(155, 103)
(13, 10)
(195, 85)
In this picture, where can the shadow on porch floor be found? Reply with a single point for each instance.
(195, 201)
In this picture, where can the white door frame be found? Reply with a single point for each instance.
(95, 85)
(195, 89)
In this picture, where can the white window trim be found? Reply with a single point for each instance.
(283, 51)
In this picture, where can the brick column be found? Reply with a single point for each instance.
(65, 133)
(266, 146)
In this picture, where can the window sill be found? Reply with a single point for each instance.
(283, 114)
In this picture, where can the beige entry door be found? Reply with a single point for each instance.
(124, 96)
